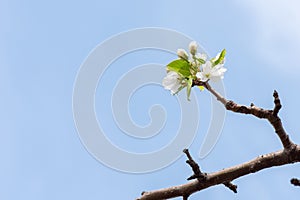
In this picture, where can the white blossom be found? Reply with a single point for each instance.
(193, 46)
(182, 54)
(172, 82)
(210, 72)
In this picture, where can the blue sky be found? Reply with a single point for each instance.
(43, 45)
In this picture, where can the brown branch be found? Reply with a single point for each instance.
(277, 103)
(270, 115)
(202, 176)
(195, 167)
(278, 158)
(290, 154)
(231, 186)
(215, 93)
(295, 182)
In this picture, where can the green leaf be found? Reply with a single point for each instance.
(221, 57)
(180, 66)
(201, 87)
(189, 87)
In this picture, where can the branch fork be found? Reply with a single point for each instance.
(199, 180)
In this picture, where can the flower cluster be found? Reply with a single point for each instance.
(193, 66)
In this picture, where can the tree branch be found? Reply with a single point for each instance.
(270, 115)
(278, 158)
(289, 154)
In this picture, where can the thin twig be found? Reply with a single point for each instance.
(231, 186)
(277, 103)
(195, 167)
(270, 115)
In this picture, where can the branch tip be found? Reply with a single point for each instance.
(277, 103)
(188, 155)
(231, 186)
(275, 94)
(195, 167)
(295, 182)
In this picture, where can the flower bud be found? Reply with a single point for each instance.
(182, 54)
(193, 47)
(195, 63)
(201, 56)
